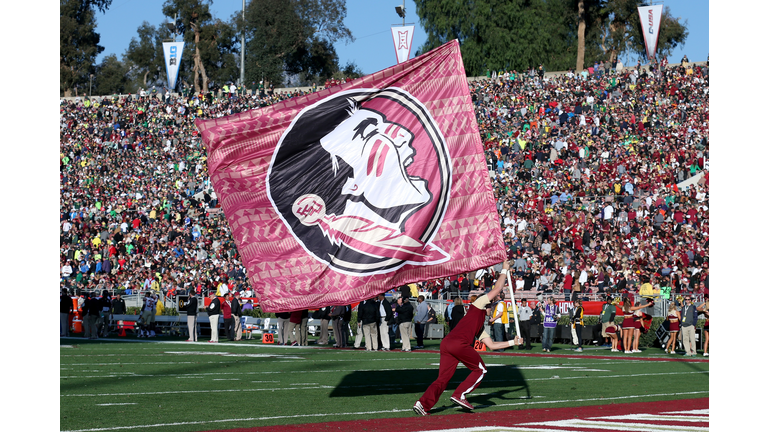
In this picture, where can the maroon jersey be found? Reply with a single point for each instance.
(471, 326)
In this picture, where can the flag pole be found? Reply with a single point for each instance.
(514, 304)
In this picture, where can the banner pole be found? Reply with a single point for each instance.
(514, 305)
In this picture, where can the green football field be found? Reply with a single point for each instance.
(163, 384)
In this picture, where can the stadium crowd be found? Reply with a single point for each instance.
(585, 166)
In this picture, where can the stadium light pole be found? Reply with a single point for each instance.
(90, 85)
(401, 12)
(242, 51)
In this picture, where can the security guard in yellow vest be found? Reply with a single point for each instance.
(499, 320)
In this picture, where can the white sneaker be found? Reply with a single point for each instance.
(706, 354)
(627, 352)
(418, 409)
(636, 351)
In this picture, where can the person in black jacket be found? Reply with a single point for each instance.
(118, 305)
(324, 315)
(214, 312)
(105, 306)
(91, 309)
(191, 309)
(368, 315)
(337, 314)
(386, 319)
(65, 308)
(404, 311)
(457, 313)
(237, 312)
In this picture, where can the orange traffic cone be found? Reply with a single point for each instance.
(121, 327)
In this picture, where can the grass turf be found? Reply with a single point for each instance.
(169, 385)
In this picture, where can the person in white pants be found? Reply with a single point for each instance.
(385, 317)
(282, 327)
(214, 311)
(371, 336)
(688, 326)
(359, 335)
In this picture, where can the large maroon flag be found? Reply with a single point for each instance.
(342, 194)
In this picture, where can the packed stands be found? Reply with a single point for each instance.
(601, 182)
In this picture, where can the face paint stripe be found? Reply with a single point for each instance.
(372, 156)
(380, 161)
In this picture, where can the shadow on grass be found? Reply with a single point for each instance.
(508, 379)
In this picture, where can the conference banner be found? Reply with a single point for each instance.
(402, 37)
(339, 195)
(172, 52)
(650, 21)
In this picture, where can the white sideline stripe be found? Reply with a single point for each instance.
(241, 419)
(112, 404)
(461, 365)
(599, 399)
(657, 417)
(336, 415)
(198, 391)
(694, 412)
(496, 429)
(123, 374)
(226, 379)
(185, 343)
(247, 373)
(518, 428)
(141, 363)
(635, 427)
(265, 356)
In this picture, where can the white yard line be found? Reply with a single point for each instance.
(634, 427)
(336, 415)
(112, 374)
(658, 417)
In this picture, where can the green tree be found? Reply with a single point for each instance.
(192, 15)
(351, 70)
(623, 34)
(559, 34)
(293, 37)
(111, 76)
(220, 51)
(497, 34)
(146, 53)
(210, 41)
(78, 41)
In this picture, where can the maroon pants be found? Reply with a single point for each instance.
(451, 353)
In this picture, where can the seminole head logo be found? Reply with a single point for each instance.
(362, 180)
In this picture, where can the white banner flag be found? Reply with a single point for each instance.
(172, 52)
(650, 21)
(402, 37)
